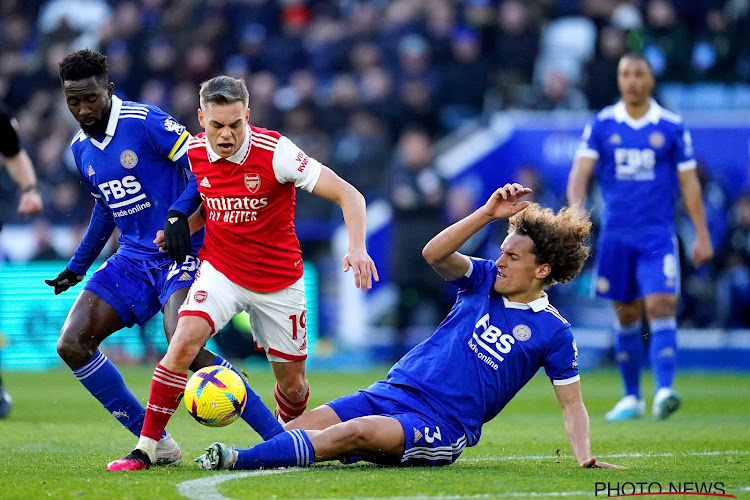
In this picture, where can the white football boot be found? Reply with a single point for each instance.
(627, 408)
(168, 452)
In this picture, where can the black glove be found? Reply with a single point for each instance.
(177, 236)
(64, 280)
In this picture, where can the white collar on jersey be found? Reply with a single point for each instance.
(536, 305)
(238, 156)
(114, 116)
(653, 115)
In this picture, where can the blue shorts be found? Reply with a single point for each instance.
(138, 289)
(429, 439)
(629, 268)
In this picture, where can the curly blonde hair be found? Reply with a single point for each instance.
(559, 240)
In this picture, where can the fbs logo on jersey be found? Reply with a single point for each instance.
(128, 159)
(90, 171)
(252, 182)
(602, 285)
(200, 296)
(615, 138)
(205, 183)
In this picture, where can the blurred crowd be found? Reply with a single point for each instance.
(364, 86)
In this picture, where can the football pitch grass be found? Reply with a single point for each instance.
(57, 441)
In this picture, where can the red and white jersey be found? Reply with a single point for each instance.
(249, 199)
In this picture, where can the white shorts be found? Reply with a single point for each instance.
(278, 319)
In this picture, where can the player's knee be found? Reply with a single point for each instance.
(661, 307)
(183, 350)
(70, 349)
(294, 387)
(357, 435)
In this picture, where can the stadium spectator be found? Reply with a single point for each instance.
(666, 41)
(733, 288)
(501, 331)
(643, 153)
(133, 160)
(417, 196)
(21, 170)
(251, 258)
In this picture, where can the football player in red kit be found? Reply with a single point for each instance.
(251, 258)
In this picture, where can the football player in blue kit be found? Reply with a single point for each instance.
(500, 332)
(641, 155)
(132, 158)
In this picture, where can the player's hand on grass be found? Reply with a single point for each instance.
(364, 268)
(593, 463)
(502, 203)
(64, 280)
(177, 236)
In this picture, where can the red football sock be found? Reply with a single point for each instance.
(286, 409)
(166, 386)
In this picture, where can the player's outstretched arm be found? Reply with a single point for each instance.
(692, 196)
(578, 183)
(576, 420)
(333, 188)
(441, 252)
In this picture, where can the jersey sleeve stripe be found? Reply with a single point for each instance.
(265, 139)
(76, 137)
(264, 146)
(177, 148)
(140, 117)
(587, 153)
(567, 381)
(686, 165)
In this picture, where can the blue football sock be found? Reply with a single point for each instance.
(629, 352)
(285, 450)
(663, 350)
(102, 379)
(256, 413)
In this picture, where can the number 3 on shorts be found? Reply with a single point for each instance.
(430, 436)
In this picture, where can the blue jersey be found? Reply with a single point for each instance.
(485, 351)
(637, 165)
(137, 170)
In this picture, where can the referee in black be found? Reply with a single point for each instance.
(21, 171)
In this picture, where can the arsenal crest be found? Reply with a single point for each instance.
(200, 296)
(252, 182)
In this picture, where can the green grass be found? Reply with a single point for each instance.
(57, 441)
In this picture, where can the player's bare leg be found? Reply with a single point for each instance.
(316, 419)
(629, 354)
(89, 322)
(292, 389)
(205, 357)
(661, 312)
(168, 383)
(375, 438)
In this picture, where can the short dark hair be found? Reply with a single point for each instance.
(224, 90)
(83, 64)
(638, 56)
(559, 239)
